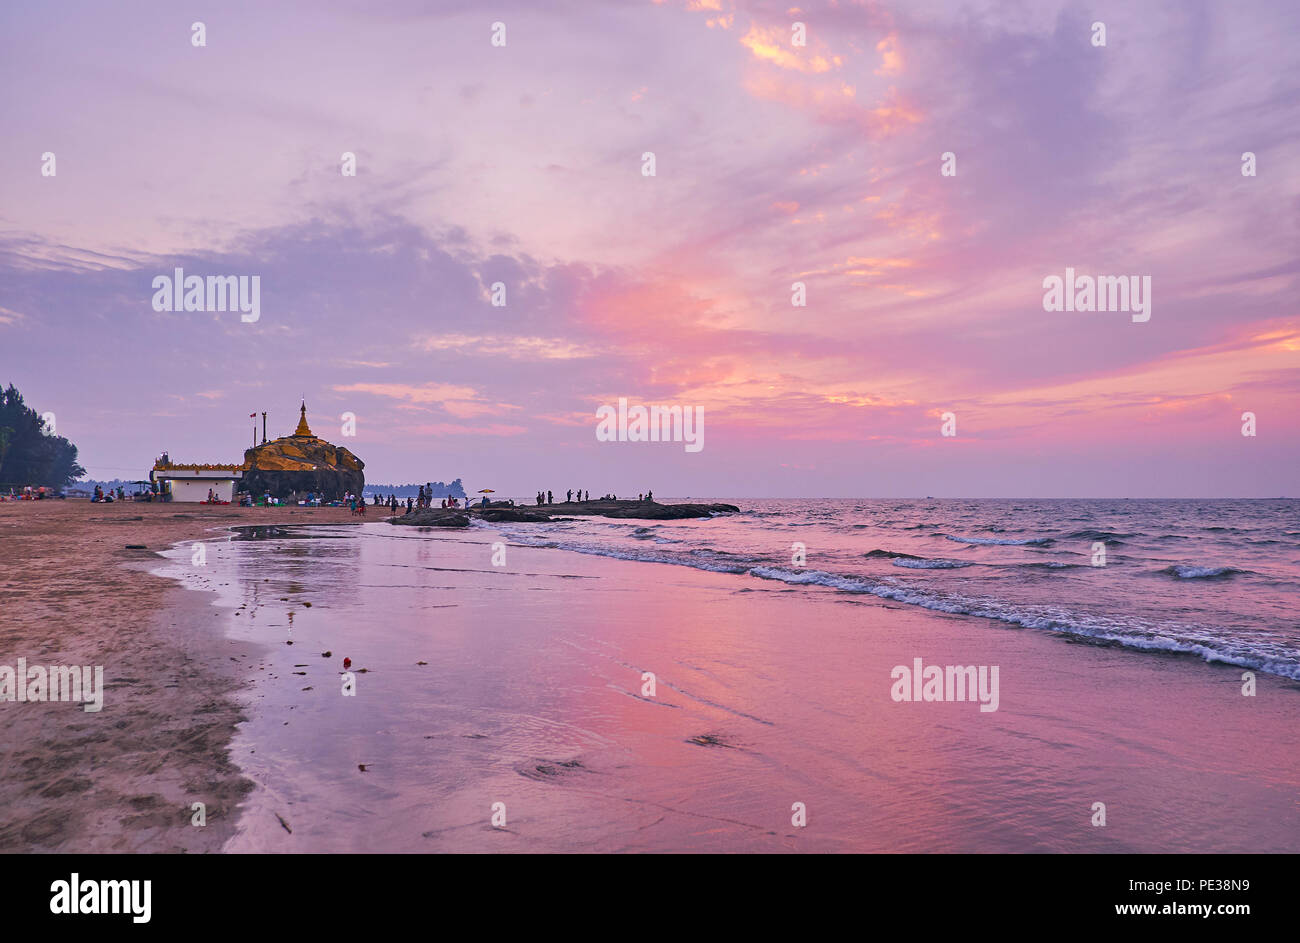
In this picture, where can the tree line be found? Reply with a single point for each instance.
(439, 489)
(28, 455)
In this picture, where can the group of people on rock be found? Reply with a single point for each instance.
(547, 497)
(423, 500)
(357, 502)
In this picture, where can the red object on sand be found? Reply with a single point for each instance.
(347, 662)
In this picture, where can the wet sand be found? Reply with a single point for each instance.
(122, 779)
(523, 685)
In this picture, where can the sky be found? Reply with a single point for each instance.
(774, 163)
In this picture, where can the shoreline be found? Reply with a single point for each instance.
(122, 779)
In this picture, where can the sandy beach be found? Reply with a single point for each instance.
(523, 685)
(122, 779)
(856, 427)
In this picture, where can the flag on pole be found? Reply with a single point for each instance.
(252, 415)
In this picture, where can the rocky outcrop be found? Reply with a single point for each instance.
(302, 463)
(641, 510)
(541, 513)
(504, 512)
(433, 517)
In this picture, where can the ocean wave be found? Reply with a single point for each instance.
(1109, 536)
(1001, 541)
(711, 552)
(702, 561)
(1187, 571)
(891, 555)
(922, 564)
(651, 533)
(812, 577)
(1066, 623)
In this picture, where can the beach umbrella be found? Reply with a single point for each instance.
(487, 491)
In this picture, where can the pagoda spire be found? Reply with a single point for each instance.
(302, 422)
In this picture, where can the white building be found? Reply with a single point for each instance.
(191, 483)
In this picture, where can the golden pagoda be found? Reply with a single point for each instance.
(302, 463)
(303, 431)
